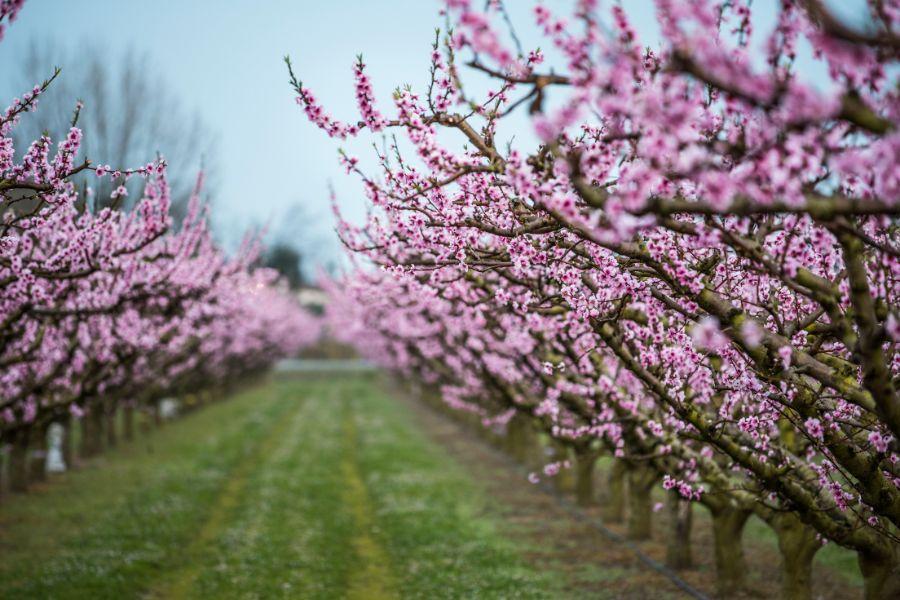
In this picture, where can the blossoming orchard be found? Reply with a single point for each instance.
(112, 310)
(694, 269)
(649, 252)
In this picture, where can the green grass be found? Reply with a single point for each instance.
(427, 511)
(307, 488)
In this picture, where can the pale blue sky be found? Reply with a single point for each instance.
(224, 58)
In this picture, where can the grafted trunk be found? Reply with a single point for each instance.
(881, 575)
(18, 461)
(728, 529)
(640, 502)
(678, 547)
(798, 545)
(585, 461)
(614, 506)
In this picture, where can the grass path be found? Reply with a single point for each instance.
(373, 580)
(228, 498)
(299, 488)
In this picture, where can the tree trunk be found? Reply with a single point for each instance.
(97, 427)
(37, 466)
(92, 433)
(110, 415)
(614, 507)
(640, 502)
(798, 545)
(585, 461)
(522, 442)
(678, 549)
(564, 479)
(67, 449)
(128, 423)
(881, 576)
(146, 418)
(84, 443)
(18, 462)
(728, 527)
(4, 467)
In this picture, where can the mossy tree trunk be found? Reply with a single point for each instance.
(614, 505)
(522, 441)
(798, 544)
(641, 479)
(585, 463)
(728, 528)
(881, 575)
(678, 546)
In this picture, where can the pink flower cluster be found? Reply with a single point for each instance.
(8, 11)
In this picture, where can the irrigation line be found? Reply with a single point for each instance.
(581, 515)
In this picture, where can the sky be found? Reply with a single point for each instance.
(223, 58)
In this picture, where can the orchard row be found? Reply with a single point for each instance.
(693, 267)
(102, 310)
